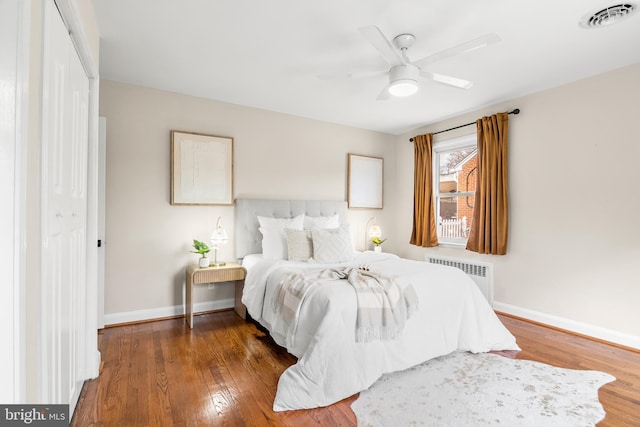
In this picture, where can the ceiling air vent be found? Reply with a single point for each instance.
(608, 16)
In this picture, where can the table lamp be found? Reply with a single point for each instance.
(218, 237)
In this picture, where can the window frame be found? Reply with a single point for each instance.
(462, 142)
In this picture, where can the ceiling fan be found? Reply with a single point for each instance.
(404, 74)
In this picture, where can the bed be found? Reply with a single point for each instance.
(451, 313)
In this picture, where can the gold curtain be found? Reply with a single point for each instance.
(424, 224)
(490, 226)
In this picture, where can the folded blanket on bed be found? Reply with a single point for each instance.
(383, 306)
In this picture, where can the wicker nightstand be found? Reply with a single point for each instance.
(230, 272)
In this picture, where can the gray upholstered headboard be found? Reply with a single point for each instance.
(249, 239)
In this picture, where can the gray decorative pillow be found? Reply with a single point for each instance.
(332, 245)
(299, 245)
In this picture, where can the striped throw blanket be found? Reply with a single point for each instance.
(383, 306)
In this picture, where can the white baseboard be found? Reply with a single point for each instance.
(570, 325)
(94, 368)
(161, 312)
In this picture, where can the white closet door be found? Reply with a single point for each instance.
(64, 190)
(79, 138)
(55, 178)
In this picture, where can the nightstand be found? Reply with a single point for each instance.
(230, 272)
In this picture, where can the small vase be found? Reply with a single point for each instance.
(377, 249)
(203, 262)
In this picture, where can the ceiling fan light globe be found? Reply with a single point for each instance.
(403, 87)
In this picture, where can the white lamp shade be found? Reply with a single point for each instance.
(374, 231)
(219, 235)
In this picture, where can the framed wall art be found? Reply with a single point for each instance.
(365, 177)
(201, 169)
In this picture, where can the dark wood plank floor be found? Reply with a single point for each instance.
(224, 372)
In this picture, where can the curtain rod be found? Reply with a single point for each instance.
(515, 111)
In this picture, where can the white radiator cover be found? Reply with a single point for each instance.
(480, 272)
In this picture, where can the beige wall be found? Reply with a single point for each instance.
(573, 249)
(276, 156)
(571, 253)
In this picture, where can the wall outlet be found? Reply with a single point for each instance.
(211, 285)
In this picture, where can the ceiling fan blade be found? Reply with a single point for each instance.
(474, 44)
(382, 44)
(354, 75)
(384, 95)
(448, 80)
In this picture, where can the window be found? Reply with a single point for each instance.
(454, 186)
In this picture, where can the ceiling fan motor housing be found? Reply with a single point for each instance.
(404, 72)
(403, 80)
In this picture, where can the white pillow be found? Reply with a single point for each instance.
(274, 243)
(274, 239)
(299, 245)
(332, 245)
(294, 223)
(332, 221)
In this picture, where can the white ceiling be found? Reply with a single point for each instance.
(269, 54)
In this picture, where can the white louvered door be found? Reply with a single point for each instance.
(64, 191)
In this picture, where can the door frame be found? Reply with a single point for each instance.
(15, 306)
(13, 302)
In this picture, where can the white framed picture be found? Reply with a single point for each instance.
(365, 178)
(201, 169)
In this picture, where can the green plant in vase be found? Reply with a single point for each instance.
(202, 249)
(377, 243)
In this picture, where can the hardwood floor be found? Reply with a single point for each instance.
(224, 372)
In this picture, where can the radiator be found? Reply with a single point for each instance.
(480, 272)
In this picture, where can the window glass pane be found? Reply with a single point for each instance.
(458, 170)
(454, 180)
(455, 216)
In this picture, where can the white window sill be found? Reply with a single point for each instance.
(453, 245)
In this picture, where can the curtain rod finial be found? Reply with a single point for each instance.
(515, 111)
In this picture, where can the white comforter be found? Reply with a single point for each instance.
(453, 315)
